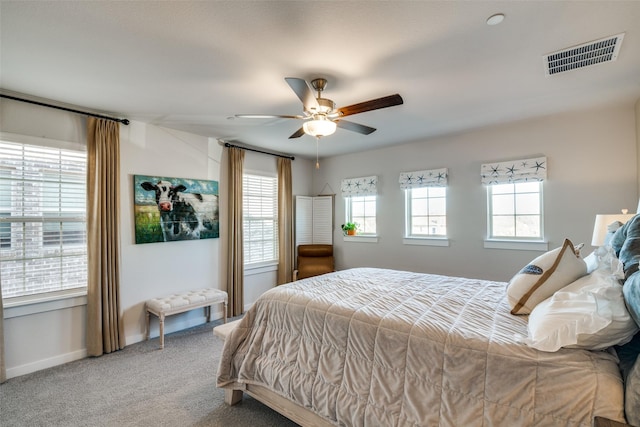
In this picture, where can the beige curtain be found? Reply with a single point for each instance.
(105, 332)
(285, 222)
(3, 371)
(235, 260)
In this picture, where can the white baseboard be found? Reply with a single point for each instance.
(173, 325)
(61, 359)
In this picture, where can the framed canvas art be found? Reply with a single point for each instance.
(170, 209)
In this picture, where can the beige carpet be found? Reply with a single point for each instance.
(138, 386)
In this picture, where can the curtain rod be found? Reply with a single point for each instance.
(86, 113)
(226, 144)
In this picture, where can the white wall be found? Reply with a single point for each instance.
(41, 335)
(592, 169)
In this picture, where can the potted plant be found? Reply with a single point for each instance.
(349, 228)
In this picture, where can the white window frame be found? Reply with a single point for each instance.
(363, 230)
(10, 253)
(263, 260)
(426, 239)
(516, 241)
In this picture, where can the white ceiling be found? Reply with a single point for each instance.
(192, 65)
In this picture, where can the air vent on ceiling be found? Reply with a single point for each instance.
(584, 55)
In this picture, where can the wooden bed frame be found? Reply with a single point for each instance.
(291, 410)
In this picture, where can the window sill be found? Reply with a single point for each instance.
(259, 268)
(426, 241)
(34, 304)
(520, 245)
(371, 238)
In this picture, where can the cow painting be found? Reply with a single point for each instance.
(170, 209)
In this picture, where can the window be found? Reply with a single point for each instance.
(43, 243)
(362, 211)
(360, 195)
(260, 218)
(426, 212)
(515, 211)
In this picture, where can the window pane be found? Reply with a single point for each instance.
(528, 226)
(528, 203)
(419, 207)
(422, 192)
(503, 204)
(437, 206)
(503, 226)
(42, 219)
(502, 189)
(526, 187)
(437, 191)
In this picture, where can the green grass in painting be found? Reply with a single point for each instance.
(147, 220)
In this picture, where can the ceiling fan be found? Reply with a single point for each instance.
(321, 115)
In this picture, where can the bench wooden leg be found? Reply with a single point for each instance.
(161, 321)
(148, 326)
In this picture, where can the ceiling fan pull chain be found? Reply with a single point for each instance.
(317, 162)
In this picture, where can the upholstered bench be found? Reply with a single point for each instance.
(179, 303)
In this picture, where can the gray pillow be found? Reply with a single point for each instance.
(626, 243)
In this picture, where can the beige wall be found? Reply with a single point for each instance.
(592, 169)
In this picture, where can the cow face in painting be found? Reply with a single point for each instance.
(183, 215)
(165, 193)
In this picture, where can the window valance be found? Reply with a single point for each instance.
(364, 186)
(514, 171)
(425, 178)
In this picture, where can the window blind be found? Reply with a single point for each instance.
(364, 186)
(260, 218)
(514, 171)
(43, 240)
(425, 178)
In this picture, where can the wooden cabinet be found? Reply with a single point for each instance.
(314, 220)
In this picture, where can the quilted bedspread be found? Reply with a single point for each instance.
(377, 347)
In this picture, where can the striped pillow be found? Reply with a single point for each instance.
(545, 275)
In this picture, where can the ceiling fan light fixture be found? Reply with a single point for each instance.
(319, 127)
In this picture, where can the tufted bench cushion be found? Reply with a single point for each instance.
(186, 301)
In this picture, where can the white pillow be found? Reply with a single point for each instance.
(604, 257)
(590, 313)
(543, 276)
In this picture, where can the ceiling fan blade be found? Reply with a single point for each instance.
(267, 116)
(304, 92)
(374, 104)
(355, 127)
(297, 134)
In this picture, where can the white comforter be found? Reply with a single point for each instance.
(375, 347)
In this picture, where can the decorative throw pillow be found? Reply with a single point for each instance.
(589, 313)
(543, 277)
(629, 355)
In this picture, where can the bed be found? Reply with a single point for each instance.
(380, 347)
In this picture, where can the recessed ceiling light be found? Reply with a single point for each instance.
(495, 19)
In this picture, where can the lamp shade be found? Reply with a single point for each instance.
(322, 127)
(601, 226)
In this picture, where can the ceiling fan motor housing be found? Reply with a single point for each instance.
(325, 106)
